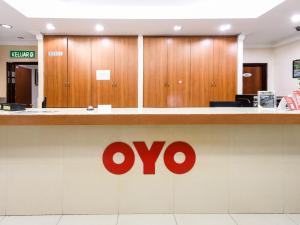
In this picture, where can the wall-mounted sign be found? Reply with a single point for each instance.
(55, 53)
(247, 75)
(102, 74)
(149, 157)
(22, 54)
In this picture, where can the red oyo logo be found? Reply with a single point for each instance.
(149, 157)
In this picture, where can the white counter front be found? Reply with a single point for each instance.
(239, 167)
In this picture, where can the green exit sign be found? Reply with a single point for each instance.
(22, 54)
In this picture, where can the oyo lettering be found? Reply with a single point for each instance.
(149, 157)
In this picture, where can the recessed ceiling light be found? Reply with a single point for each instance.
(225, 27)
(295, 18)
(177, 28)
(50, 26)
(6, 26)
(99, 27)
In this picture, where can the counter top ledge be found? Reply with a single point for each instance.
(148, 116)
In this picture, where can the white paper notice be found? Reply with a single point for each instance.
(104, 108)
(102, 74)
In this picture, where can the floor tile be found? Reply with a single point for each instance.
(262, 219)
(295, 218)
(30, 220)
(143, 219)
(1, 218)
(204, 219)
(89, 220)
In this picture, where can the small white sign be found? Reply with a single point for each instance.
(56, 53)
(102, 74)
(104, 108)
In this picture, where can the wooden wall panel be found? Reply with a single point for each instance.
(103, 59)
(79, 72)
(179, 71)
(155, 72)
(55, 71)
(225, 69)
(126, 70)
(202, 50)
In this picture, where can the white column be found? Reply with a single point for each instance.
(39, 37)
(140, 71)
(240, 63)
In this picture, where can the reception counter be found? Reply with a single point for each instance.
(170, 116)
(246, 161)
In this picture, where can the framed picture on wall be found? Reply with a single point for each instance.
(296, 68)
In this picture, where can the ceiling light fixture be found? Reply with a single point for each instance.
(50, 26)
(295, 18)
(6, 26)
(177, 28)
(99, 27)
(225, 27)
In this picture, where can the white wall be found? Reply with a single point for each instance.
(280, 65)
(265, 55)
(283, 65)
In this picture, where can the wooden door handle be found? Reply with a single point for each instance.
(167, 85)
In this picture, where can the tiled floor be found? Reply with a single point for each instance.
(166, 219)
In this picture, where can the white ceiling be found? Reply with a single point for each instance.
(268, 29)
(143, 9)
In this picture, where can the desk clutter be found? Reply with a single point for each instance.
(12, 107)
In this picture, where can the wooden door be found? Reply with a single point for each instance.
(255, 78)
(55, 71)
(23, 86)
(155, 72)
(103, 59)
(179, 72)
(125, 74)
(225, 69)
(79, 72)
(202, 50)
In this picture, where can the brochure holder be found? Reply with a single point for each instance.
(296, 96)
(288, 103)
